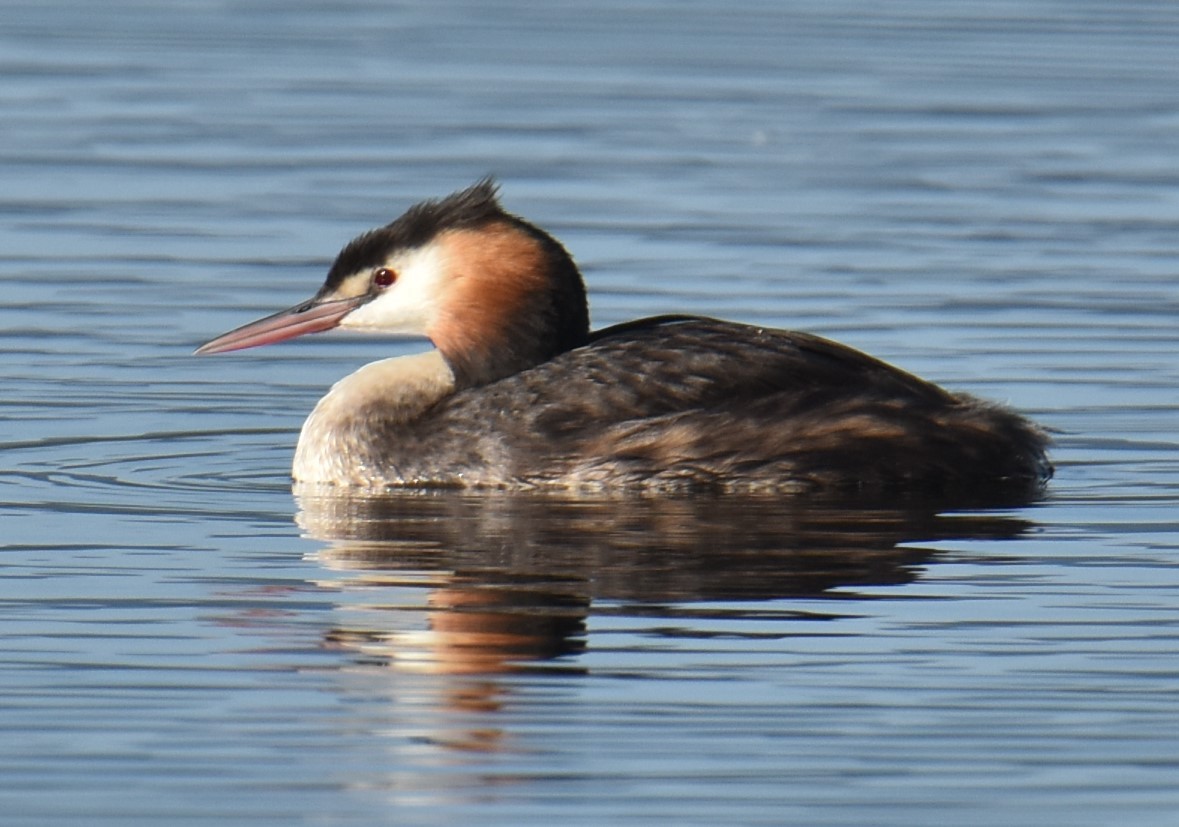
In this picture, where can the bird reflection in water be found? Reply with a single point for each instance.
(459, 593)
(510, 579)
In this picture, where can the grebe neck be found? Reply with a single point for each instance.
(338, 432)
(518, 301)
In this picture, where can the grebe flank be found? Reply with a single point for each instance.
(519, 393)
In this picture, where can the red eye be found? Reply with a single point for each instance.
(384, 277)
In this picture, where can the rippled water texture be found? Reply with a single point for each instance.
(984, 194)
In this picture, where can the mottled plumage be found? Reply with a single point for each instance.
(519, 393)
(691, 403)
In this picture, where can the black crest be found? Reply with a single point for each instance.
(467, 208)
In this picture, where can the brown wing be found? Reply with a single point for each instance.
(687, 401)
(669, 365)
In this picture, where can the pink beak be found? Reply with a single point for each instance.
(309, 317)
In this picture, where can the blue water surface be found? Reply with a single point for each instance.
(986, 194)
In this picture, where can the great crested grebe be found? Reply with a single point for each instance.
(518, 392)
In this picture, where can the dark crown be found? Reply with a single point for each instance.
(472, 207)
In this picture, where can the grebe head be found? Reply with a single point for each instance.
(494, 293)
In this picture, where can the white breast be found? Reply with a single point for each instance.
(334, 445)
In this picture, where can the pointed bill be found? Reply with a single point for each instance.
(309, 317)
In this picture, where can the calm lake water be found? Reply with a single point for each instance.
(986, 194)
